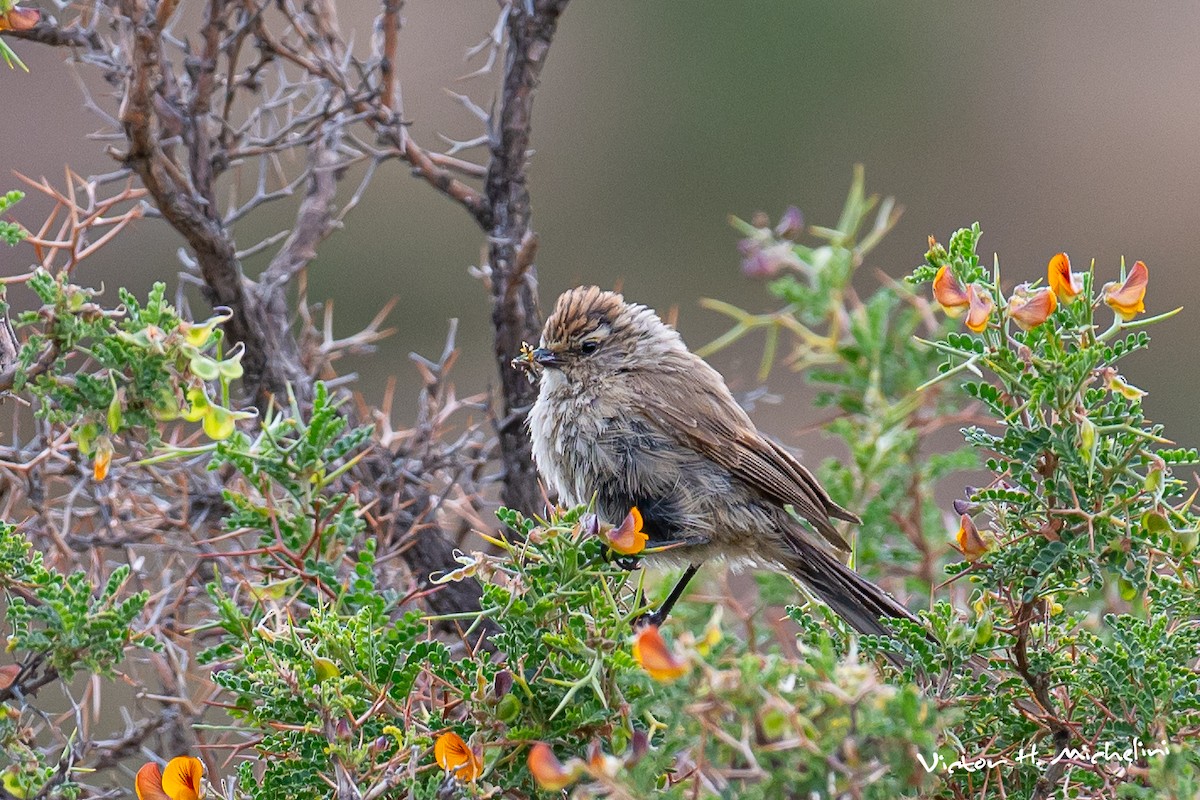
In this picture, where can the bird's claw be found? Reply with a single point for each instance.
(648, 618)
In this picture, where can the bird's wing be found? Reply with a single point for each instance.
(708, 420)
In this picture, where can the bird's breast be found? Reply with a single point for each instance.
(565, 424)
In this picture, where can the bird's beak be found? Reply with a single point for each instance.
(546, 357)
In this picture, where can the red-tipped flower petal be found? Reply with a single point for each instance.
(1064, 283)
(180, 781)
(652, 653)
(600, 763)
(102, 458)
(1031, 308)
(628, 538)
(949, 293)
(550, 773)
(970, 543)
(981, 307)
(1128, 299)
(148, 783)
(19, 19)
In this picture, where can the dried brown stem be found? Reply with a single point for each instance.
(1038, 682)
(391, 44)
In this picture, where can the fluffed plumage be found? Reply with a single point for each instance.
(627, 414)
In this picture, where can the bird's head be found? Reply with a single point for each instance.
(593, 335)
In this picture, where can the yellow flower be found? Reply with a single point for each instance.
(1061, 280)
(949, 293)
(198, 405)
(550, 773)
(712, 634)
(981, 308)
(628, 538)
(1128, 299)
(970, 543)
(218, 423)
(180, 781)
(453, 755)
(198, 334)
(10, 779)
(652, 653)
(1031, 308)
(1115, 383)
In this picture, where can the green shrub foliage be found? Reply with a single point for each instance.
(1064, 611)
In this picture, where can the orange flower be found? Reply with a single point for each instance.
(652, 653)
(181, 781)
(453, 755)
(981, 308)
(970, 543)
(1061, 280)
(19, 19)
(102, 458)
(949, 293)
(628, 538)
(1031, 308)
(550, 773)
(1128, 299)
(600, 763)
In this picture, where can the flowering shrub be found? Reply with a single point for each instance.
(1073, 566)
(142, 366)
(1084, 587)
(573, 698)
(1058, 659)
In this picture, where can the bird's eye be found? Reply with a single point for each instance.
(589, 347)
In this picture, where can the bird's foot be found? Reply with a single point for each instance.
(655, 618)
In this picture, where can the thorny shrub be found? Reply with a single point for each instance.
(1074, 572)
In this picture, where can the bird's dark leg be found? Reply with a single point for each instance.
(659, 615)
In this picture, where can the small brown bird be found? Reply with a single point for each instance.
(627, 414)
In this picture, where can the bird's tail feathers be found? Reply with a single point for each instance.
(855, 599)
(865, 606)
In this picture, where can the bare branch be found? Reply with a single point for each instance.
(515, 314)
(47, 31)
(491, 45)
(314, 220)
(389, 90)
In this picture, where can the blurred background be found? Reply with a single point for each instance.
(1067, 126)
